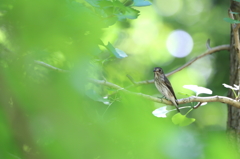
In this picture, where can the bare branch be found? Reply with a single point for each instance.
(131, 79)
(142, 82)
(221, 99)
(50, 66)
(102, 82)
(118, 88)
(209, 51)
(198, 105)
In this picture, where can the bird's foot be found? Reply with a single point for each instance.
(162, 97)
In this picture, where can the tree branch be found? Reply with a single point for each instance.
(50, 66)
(155, 99)
(209, 51)
(221, 99)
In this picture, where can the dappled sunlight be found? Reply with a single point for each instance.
(2, 36)
(77, 78)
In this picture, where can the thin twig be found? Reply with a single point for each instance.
(209, 51)
(131, 79)
(221, 99)
(50, 66)
(197, 106)
(208, 44)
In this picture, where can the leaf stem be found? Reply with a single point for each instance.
(234, 93)
(188, 111)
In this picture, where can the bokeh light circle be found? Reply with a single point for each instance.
(179, 43)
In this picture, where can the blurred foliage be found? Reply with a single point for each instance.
(48, 114)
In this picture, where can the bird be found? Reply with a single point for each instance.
(164, 86)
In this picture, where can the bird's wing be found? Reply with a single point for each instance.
(170, 87)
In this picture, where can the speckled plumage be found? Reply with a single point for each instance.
(164, 86)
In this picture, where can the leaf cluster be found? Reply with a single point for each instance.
(112, 11)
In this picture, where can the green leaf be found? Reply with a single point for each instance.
(141, 3)
(161, 112)
(229, 20)
(105, 4)
(110, 21)
(116, 9)
(198, 90)
(94, 3)
(182, 120)
(100, 42)
(237, 0)
(120, 53)
(117, 52)
(93, 95)
(128, 13)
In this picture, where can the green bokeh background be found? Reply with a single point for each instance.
(47, 114)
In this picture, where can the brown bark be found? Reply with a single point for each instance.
(233, 123)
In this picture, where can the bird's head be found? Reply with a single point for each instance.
(158, 69)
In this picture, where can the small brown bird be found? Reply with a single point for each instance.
(164, 86)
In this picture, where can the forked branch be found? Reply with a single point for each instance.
(221, 99)
(209, 51)
(155, 99)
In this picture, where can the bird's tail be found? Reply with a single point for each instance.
(177, 109)
(176, 105)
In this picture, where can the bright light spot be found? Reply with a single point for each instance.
(168, 8)
(161, 112)
(236, 87)
(198, 90)
(179, 43)
(2, 36)
(107, 102)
